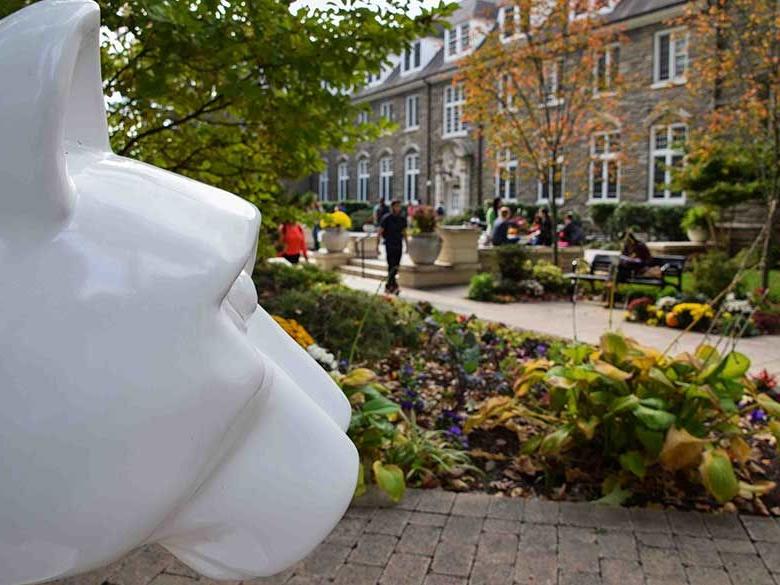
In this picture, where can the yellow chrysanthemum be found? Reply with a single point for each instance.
(295, 330)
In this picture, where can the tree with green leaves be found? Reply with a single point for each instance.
(735, 152)
(242, 94)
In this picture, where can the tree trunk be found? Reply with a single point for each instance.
(554, 222)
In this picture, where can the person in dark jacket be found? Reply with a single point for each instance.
(572, 233)
(392, 228)
(500, 234)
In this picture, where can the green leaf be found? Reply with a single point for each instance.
(556, 442)
(380, 407)
(652, 441)
(717, 475)
(390, 479)
(658, 403)
(634, 462)
(616, 497)
(657, 420)
(360, 487)
(624, 404)
(614, 346)
(735, 366)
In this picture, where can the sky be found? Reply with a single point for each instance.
(414, 4)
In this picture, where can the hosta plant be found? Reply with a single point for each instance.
(643, 413)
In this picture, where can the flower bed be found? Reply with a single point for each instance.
(480, 407)
(734, 318)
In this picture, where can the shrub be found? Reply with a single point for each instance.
(633, 216)
(333, 313)
(350, 207)
(482, 287)
(549, 276)
(274, 278)
(698, 217)
(666, 223)
(513, 263)
(601, 214)
(634, 414)
(713, 272)
(361, 217)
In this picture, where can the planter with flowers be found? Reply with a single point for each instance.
(698, 223)
(335, 236)
(424, 244)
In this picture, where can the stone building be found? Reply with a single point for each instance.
(433, 158)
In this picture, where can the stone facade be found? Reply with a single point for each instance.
(455, 172)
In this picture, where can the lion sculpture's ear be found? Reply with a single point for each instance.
(52, 98)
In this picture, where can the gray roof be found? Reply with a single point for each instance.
(625, 10)
(632, 8)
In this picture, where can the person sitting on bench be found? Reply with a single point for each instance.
(635, 257)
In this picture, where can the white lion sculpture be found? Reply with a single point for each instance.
(144, 396)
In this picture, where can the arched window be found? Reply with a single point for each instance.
(411, 176)
(343, 181)
(362, 178)
(386, 177)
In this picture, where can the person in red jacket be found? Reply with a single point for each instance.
(293, 241)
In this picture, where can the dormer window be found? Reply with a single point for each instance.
(412, 58)
(457, 40)
(509, 22)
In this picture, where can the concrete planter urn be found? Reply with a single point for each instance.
(424, 248)
(697, 235)
(459, 245)
(335, 239)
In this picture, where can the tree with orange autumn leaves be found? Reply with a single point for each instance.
(737, 66)
(537, 86)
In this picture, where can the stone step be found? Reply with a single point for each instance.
(373, 273)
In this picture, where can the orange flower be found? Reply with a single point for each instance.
(671, 320)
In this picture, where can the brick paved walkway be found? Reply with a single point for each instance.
(438, 538)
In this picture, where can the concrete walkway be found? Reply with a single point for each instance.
(556, 318)
(439, 538)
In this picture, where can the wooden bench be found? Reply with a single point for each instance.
(604, 266)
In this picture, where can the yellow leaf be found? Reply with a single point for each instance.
(739, 449)
(611, 371)
(358, 378)
(527, 381)
(770, 406)
(490, 408)
(681, 450)
(357, 399)
(749, 491)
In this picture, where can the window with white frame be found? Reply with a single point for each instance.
(343, 190)
(667, 145)
(605, 166)
(412, 58)
(386, 111)
(362, 117)
(555, 183)
(671, 56)
(411, 176)
(412, 112)
(386, 178)
(457, 40)
(607, 69)
(362, 179)
(454, 101)
(323, 184)
(506, 177)
(552, 71)
(509, 21)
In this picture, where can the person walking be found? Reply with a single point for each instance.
(293, 242)
(392, 228)
(380, 210)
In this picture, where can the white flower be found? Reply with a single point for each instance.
(326, 359)
(666, 303)
(734, 306)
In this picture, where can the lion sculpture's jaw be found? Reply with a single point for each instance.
(146, 398)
